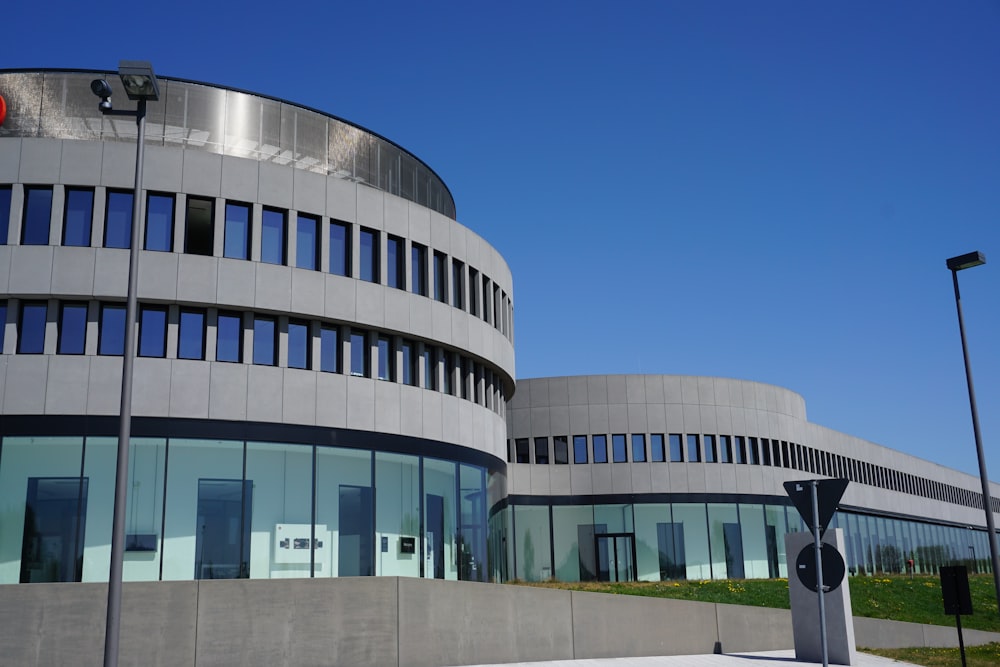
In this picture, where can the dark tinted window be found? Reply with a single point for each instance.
(191, 336)
(159, 222)
(521, 453)
(4, 213)
(237, 232)
(725, 449)
(541, 450)
(386, 359)
(306, 242)
(31, 328)
(340, 249)
(440, 277)
(395, 264)
(409, 369)
(457, 283)
(272, 236)
(37, 214)
(152, 332)
(265, 341)
(430, 368)
(560, 449)
(72, 328)
(298, 345)
(118, 220)
(199, 226)
(3, 323)
(710, 453)
(418, 269)
(111, 334)
(79, 211)
(229, 338)
(694, 449)
(369, 269)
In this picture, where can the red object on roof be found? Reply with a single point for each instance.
(3, 109)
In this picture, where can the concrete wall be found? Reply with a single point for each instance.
(395, 622)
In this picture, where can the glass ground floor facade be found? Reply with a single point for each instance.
(703, 537)
(209, 500)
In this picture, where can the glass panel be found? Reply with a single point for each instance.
(3, 323)
(37, 215)
(265, 347)
(726, 541)
(329, 350)
(457, 283)
(694, 536)
(676, 451)
(573, 541)
(54, 529)
(159, 222)
(344, 506)
(111, 336)
(655, 552)
(199, 231)
(521, 453)
(397, 519)
(638, 447)
(369, 269)
(618, 448)
(144, 506)
(298, 345)
(775, 530)
(473, 528)
(440, 287)
(340, 249)
(281, 531)
(657, 452)
(229, 339)
(386, 360)
(409, 375)
(31, 327)
(272, 236)
(430, 368)
(73, 328)
(560, 449)
(741, 450)
(237, 241)
(710, 453)
(395, 270)
(306, 247)
(579, 449)
(531, 543)
(418, 269)
(359, 354)
(205, 534)
(694, 448)
(440, 548)
(5, 197)
(152, 332)
(78, 216)
(191, 338)
(600, 448)
(542, 450)
(118, 220)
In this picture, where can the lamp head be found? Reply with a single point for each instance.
(966, 261)
(102, 89)
(139, 81)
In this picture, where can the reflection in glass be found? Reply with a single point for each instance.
(618, 448)
(298, 345)
(340, 249)
(369, 268)
(237, 232)
(77, 218)
(265, 342)
(222, 538)
(31, 327)
(118, 220)
(600, 448)
(191, 337)
(54, 527)
(329, 350)
(152, 332)
(272, 236)
(37, 215)
(579, 449)
(111, 338)
(229, 339)
(306, 246)
(159, 222)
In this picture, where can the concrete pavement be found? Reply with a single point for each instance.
(784, 658)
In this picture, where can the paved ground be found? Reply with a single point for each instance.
(762, 659)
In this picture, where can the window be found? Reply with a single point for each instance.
(618, 451)
(360, 355)
(418, 269)
(542, 450)
(152, 331)
(306, 242)
(386, 359)
(473, 291)
(457, 284)
(600, 448)
(118, 220)
(159, 222)
(657, 452)
(265, 341)
(369, 269)
(111, 334)
(191, 334)
(430, 368)
(79, 211)
(3, 323)
(409, 363)
(711, 456)
(395, 262)
(199, 226)
(329, 350)
(229, 339)
(580, 449)
(486, 298)
(440, 277)
(476, 375)
(521, 451)
(694, 449)
(5, 195)
(740, 450)
(272, 236)
(638, 447)
(560, 449)
(340, 249)
(37, 214)
(237, 231)
(449, 372)
(676, 450)
(754, 455)
(298, 344)
(72, 328)
(726, 449)
(765, 451)
(31, 327)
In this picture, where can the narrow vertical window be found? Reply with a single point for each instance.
(329, 350)
(199, 226)
(118, 220)
(386, 359)
(725, 449)
(359, 354)
(5, 196)
(580, 449)
(78, 215)
(676, 448)
(618, 451)
(418, 269)
(694, 449)
(638, 447)
(395, 262)
(368, 245)
(710, 453)
(430, 368)
(265, 341)
(306, 242)
(152, 331)
(37, 214)
(754, 454)
(272, 236)
(765, 451)
(191, 335)
(159, 222)
(72, 328)
(298, 344)
(457, 283)
(542, 450)
(409, 375)
(600, 443)
(521, 453)
(440, 277)
(340, 249)
(448, 360)
(657, 451)
(473, 292)
(229, 337)
(465, 367)
(560, 450)
(237, 231)
(487, 309)
(111, 333)
(740, 451)
(31, 327)
(3, 323)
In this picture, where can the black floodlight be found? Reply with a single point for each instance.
(966, 261)
(139, 81)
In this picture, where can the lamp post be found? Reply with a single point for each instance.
(956, 264)
(140, 85)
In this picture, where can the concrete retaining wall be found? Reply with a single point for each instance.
(395, 622)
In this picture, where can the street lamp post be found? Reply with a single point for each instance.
(140, 85)
(956, 264)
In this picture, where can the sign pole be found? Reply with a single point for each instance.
(818, 545)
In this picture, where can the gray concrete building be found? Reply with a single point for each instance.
(325, 380)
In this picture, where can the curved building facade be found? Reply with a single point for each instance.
(657, 477)
(324, 354)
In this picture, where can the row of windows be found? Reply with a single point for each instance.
(462, 286)
(186, 333)
(695, 448)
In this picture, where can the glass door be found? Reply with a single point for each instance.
(615, 556)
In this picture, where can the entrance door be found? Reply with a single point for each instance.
(615, 556)
(55, 513)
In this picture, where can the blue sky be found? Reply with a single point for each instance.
(760, 190)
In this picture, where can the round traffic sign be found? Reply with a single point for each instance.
(832, 563)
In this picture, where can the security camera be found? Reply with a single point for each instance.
(102, 89)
